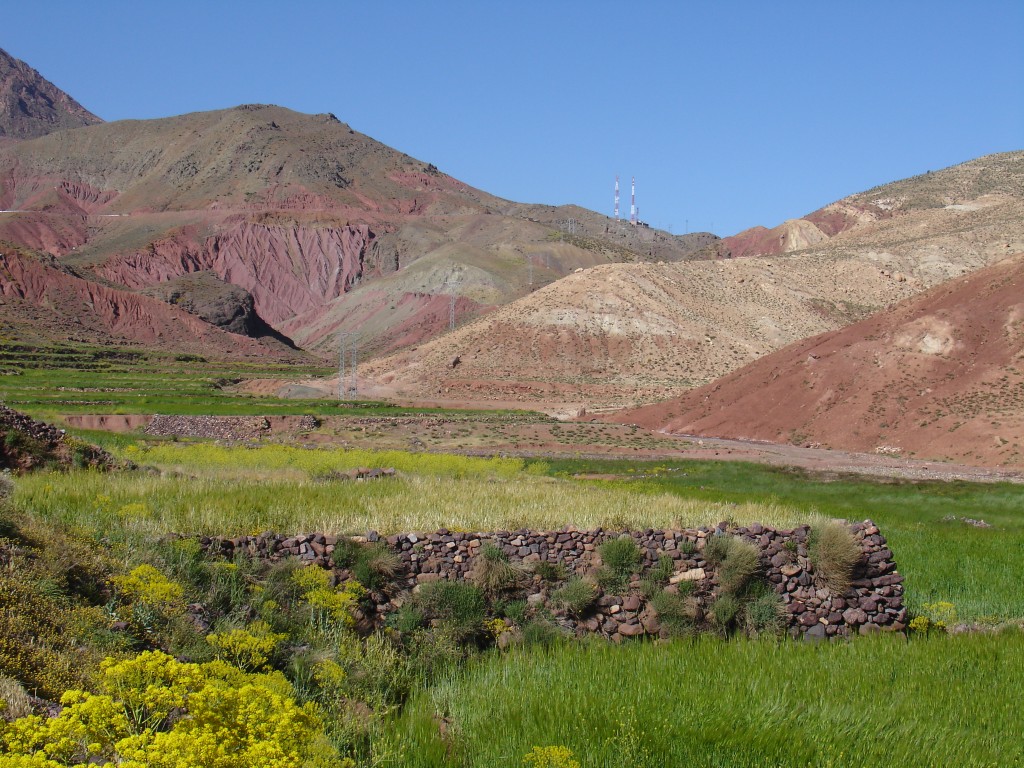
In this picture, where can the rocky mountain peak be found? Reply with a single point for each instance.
(31, 106)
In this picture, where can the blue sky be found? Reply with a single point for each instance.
(729, 114)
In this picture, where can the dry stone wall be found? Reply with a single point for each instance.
(874, 601)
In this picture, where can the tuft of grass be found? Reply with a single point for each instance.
(493, 572)
(460, 607)
(834, 553)
(550, 572)
(575, 596)
(376, 564)
(620, 559)
(764, 613)
(676, 613)
(724, 610)
(741, 562)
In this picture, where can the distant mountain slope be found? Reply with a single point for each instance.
(940, 376)
(624, 332)
(327, 229)
(31, 105)
(632, 332)
(986, 183)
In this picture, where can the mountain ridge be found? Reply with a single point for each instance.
(32, 106)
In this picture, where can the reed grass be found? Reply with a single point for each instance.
(879, 701)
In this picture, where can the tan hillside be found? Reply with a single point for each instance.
(618, 334)
(940, 376)
(972, 195)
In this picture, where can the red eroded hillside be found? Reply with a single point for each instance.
(39, 290)
(940, 376)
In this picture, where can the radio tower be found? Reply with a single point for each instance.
(616, 197)
(632, 203)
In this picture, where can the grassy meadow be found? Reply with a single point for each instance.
(877, 701)
(930, 699)
(210, 489)
(50, 381)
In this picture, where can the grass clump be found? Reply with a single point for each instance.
(834, 552)
(550, 572)
(676, 613)
(657, 576)
(716, 548)
(372, 565)
(620, 559)
(724, 610)
(742, 560)
(493, 572)
(764, 613)
(458, 606)
(575, 596)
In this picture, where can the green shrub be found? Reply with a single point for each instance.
(550, 572)
(541, 632)
(676, 613)
(493, 572)
(346, 551)
(723, 611)
(575, 596)
(406, 619)
(620, 559)
(515, 611)
(375, 565)
(662, 570)
(834, 553)
(716, 548)
(741, 562)
(764, 612)
(621, 555)
(459, 606)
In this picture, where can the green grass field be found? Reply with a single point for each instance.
(933, 701)
(927, 700)
(51, 381)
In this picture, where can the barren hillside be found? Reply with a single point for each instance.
(326, 229)
(941, 376)
(30, 105)
(623, 333)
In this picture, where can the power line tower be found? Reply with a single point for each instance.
(348, 360)
(451, 312)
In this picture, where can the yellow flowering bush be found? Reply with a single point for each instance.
(145, 584)
(327, 602)
(249, 649)
(935, 617)
(154, 711)
(551, 757)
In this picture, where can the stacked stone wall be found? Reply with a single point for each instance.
(874, 601)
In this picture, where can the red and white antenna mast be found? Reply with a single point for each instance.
(616, 197)
(632, 203)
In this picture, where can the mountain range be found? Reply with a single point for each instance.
(257, 231)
